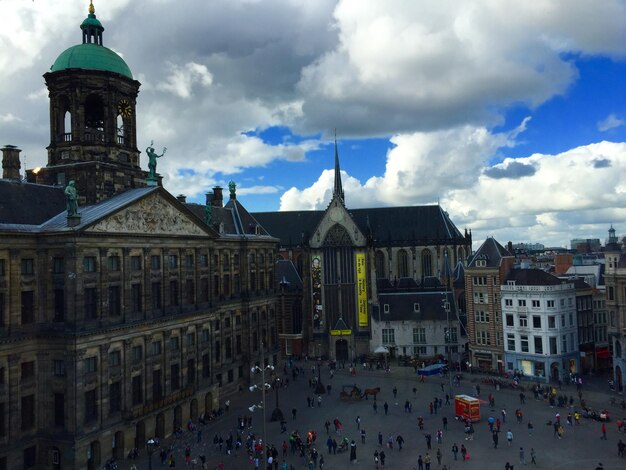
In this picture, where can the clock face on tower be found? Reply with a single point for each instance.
(124, 108)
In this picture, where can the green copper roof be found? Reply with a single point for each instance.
(91, 57)
(91, 20)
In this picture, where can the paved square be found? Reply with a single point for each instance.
(579, 448)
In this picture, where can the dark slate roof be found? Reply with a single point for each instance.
(93, 213)
(384, 226)
(490, 251)
(29, 204)
(401, 306)
(532, 277)
(234, 216)
(287, 275)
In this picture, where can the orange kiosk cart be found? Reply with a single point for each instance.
(467, 407)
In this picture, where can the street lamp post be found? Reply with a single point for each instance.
(151, 445)
(319, 388)
(277, 414)
(448, 339)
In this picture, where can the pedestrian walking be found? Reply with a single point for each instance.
(386, 407)
(522, 458)
(503, 413)
(532, 456)
(375, 406)
(380, 438)
(444, 420)
(395, 392)
(464, 452)
(227, 405)
(439, 456)
(509, 437)
(530, 428)
(362, 436)
(293, 413)
(400, 441)
(327, 426)
(358, 422)
(428, 438)
(455, 450)
(382, 458)
(352, 451)
(603, 429)
(495, 440)
(319, 401)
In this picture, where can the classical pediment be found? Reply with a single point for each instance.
(150, 215)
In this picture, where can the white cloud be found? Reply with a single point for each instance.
(610, 122)
(181, 79)
(402, 65)
(6, 118)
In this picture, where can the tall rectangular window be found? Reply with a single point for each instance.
(28, 266)
(175, 377)
(190, 291)
(156, 296)
(115, 397)
(173, 261)
(206, 366)
(137, 353)
(157, 385)
(58, 265)
(59, 368)
(135, 298)
(91, 303)
(510, 342)
(59, 305)
(2, 268)
(28, 370)
(189, 261)
(553, 345)
(91, 406)
(174, 293)
(524, 343)
(3, 420)
(523, 321)
(115, 358)
(538, 344)
(137, 390)
(419, 335)
(564, 344)
(388, 336)
(115, 301)
(536, 321)
(28, 412)
(191, 371)
(91, 364)
(135, 263)
(28, 307)
(114, 263)
(59, 409)
(155, 262)
(89, 264)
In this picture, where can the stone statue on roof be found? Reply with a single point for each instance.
(152, 160)
(208, 213)
(232, 187)
(71, 195)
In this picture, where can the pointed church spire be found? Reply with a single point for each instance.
(338, 189)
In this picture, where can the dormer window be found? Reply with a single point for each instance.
(416, 307)
(386, 308)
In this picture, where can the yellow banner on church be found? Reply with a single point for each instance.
(361, 281)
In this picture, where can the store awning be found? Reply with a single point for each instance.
(381, 350)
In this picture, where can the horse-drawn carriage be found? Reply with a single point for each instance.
(350, 392)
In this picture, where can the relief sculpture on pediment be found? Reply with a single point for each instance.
(150, 215)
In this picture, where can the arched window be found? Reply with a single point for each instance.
(403, 264)
(381, 266)
(427, 263)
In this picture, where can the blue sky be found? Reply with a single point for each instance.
(510, 115)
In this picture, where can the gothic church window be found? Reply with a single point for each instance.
(403, 264)
(381, 271)
(427, 263)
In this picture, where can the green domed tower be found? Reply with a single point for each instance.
(93, 128)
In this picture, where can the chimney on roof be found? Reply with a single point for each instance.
(218, 199)
(509, 246)
(11, 163)
(182, 198)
